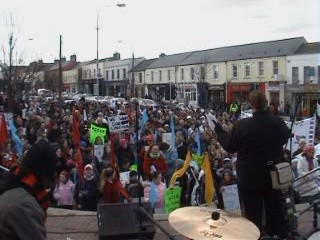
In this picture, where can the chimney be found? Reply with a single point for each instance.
(63, 59)
(162, 55)
(56, 61)
(116, 56)
(40, 61)
(73, 58)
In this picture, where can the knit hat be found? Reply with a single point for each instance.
(88, 166)
(41, 159)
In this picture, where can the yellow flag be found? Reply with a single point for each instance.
(181, 171)
(209, 186)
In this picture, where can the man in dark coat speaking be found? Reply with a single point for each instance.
(258, 140)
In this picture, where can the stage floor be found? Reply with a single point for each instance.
(81, 225)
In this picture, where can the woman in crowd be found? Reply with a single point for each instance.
(64, 191)
(154, 162)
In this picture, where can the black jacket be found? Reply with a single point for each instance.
(257, 140)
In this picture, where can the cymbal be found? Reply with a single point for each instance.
(196, 223)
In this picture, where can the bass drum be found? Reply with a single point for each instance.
(315, 235)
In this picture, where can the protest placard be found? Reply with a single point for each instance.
(118, 123)
(97, 131)
(167, 138)
(98, 151)
(125, 178)
(230, 197)
(172, 199)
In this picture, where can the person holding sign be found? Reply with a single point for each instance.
(258, 140)
(154, 162)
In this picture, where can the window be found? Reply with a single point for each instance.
(107, 75)
(203, 73)
(99, 72)
(169, 77)
(112, 74)
(192, 73)
(247, 70)
(260, 69)
(124, 73)
(215, 72)
(85, 74)
(308, 75)
(160, 75)
(118, 73)
(90, 73)
(152, 76)
(182, 74)
(295, 75)
(234, 71)
(140, 77)
(318, 73)
(275, 67)
(94, 73)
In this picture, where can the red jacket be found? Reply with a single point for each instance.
(160, 165)
(112, 192)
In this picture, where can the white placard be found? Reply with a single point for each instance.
(231, 199)
(302, 129)
(167, 138)
(118, 123)
(98, 151)
(125, 178)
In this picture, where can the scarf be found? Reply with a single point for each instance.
(31, 184)
(310, 163)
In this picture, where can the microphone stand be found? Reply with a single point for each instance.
(142, 210)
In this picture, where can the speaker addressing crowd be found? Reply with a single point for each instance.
(83, 163)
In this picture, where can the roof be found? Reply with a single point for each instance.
(309, 48)
(144, 64)
(275, 48)
(170, 60)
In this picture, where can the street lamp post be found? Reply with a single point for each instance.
(98, 12)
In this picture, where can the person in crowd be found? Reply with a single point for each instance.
(62, 165)
(302, 144)
(155, 192)
(24, 199)
(86, 191)
(181, 146)
(306, 163)
(125, 155)
(170, 154)
(134, 187)
(258, 141)
(154, 162)
(111, 187)
(64, 191)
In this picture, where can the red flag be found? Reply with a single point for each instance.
(75, 129)
(4, 136)
(114, 162)
(78, 160)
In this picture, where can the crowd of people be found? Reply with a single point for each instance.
(82, 179)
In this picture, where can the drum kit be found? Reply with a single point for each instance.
(204, 223)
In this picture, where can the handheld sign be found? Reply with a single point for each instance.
(98, 151)
(97, 131)
(118, 123)
(172, 199)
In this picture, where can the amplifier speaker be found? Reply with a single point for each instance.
(122, 221)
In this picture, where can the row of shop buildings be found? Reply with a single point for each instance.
(282, 68)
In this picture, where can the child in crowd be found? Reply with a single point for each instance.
(111, 187)
(155, 193)
(64, 191)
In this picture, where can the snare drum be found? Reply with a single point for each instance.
(315, 235)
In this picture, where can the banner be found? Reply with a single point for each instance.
(303, 129)
(97, 131)
(118, 123)
(230, 197)
(98, 151)
(172, 199)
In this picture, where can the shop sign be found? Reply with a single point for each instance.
(240, 88)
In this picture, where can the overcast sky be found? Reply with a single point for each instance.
(150, 27)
